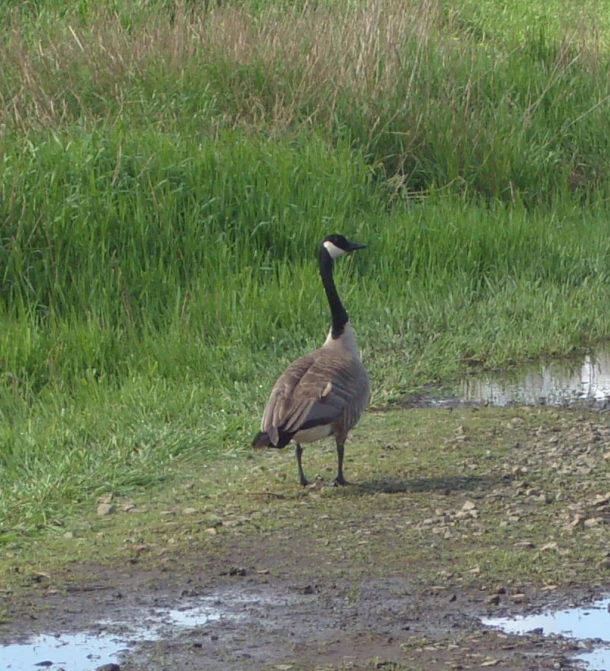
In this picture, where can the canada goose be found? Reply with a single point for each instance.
(322, 393)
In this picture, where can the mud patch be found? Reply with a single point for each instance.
(454, 515)
(262, 623)
(109, 641)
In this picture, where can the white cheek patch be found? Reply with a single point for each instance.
(333, 250)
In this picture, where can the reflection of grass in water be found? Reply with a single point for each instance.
(550, 382)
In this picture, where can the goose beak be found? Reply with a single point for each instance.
(353, 246)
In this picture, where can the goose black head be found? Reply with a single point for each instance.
(336, 245)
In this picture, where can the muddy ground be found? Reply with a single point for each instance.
(454, 515)
(284, 622)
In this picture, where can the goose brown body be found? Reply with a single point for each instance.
(321, 394)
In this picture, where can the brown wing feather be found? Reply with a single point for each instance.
(319, 388)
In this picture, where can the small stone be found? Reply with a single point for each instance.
(211, 530)
(577, 522)
(469, 505)
(106, 498)
(604, 563)
(493, 600)
(69, 534)
(602, 499)
(140, 548)
(105, 509)
(549, 546)
(189, 511)
(518, 598)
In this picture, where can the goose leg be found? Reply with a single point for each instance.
(302, 479)
(340, 480)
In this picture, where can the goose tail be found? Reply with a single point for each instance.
(262, 440)
(273, 438)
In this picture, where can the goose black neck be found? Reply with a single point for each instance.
(337, 311)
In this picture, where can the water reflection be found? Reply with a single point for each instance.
(587, 622)
(554, 383)
(87, 651)
(71, 652)
(584, 622)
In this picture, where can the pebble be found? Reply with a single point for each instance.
(104, 509)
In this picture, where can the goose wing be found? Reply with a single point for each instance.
(314, 390)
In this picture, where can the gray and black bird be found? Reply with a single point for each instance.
(325, 392)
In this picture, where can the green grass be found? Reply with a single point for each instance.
(167, 172)
(426, 99)
(413, 471)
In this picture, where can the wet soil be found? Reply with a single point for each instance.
(455, 515)
(273, 618)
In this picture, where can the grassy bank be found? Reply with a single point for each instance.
(438, 93)
(166, 176)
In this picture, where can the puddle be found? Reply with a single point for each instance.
(87, 651)
(585, 381)
(598, 660)
(586, 622)
(71, 652)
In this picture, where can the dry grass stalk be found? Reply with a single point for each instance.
(86, 72)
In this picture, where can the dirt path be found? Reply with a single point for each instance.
(455, 515)
(273, 617)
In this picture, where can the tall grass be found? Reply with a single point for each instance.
(168, 170)
(145, 315)
(427, 100)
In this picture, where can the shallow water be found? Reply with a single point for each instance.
(598, 660)
(72, 652)
(585, 380)
(586, 622)
(86, 651)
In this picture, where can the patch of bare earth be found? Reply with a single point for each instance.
(455, 515)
